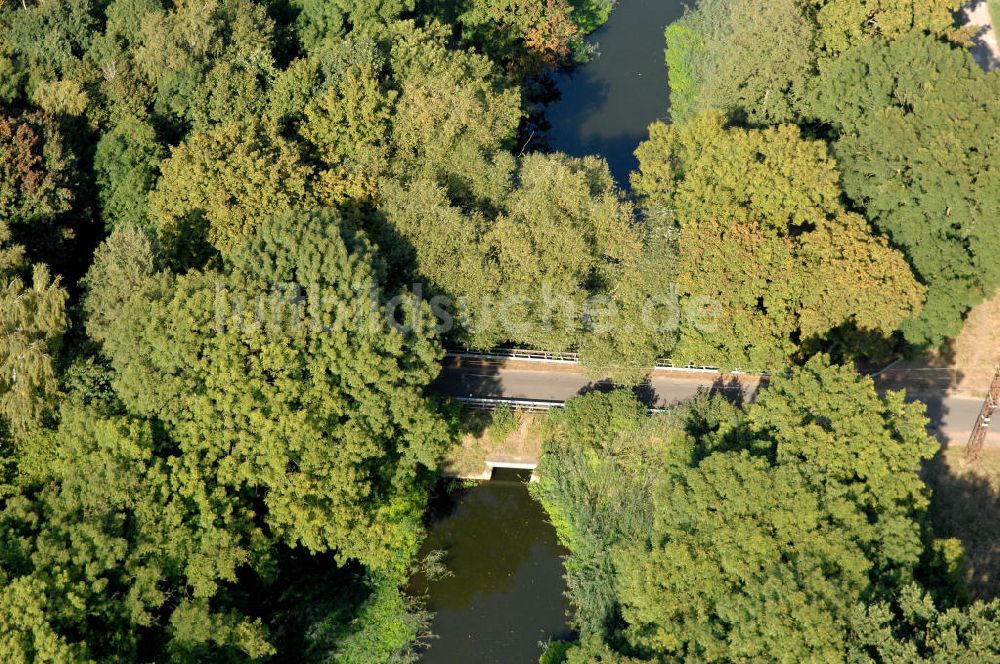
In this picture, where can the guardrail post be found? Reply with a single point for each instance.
(974, 448)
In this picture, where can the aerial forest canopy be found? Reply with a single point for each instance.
(910, 118)
(216, 446)
(793, 529)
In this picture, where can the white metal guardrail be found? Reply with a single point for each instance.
(517, 354)
(524, 405)
(525, 355)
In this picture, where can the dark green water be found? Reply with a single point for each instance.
(607, 104)
(506, 594)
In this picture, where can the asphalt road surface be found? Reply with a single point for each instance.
(951, 417)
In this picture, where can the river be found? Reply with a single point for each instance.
(506, 592)
(607, 104)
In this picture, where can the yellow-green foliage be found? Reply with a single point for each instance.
(766, 244)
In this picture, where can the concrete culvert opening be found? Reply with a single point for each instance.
(509, 474)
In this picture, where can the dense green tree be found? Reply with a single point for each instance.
(913, 629)
(125, 163)
(326, 66)
(312, 396)
(440, 245)
(562, 257)
(749, 59)
(206, 61)
(11, 254)
(108, 547)
(320, 20)
(842, 24)
(46, 42)
(855, 446)
(124, 266)
(746, 562)
(760, 218)
(122, 91)
(32, 322)
(384, 628)
(406, 105)
(792, 529)
(349, 123)
(756, 61)
(917, 133)
(564, 228)
(454, 116)
(602, 456)
(227, 181)
(635, 321)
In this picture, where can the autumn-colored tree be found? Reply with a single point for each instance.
(916, 134)
(34, 179)
(525, 35)
(760, 218)
(34, 171)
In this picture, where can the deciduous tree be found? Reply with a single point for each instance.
(760, 216)
(126, 163)
(207, 62)
(916, 139)
(749, 59)
(32, 322)
(320, 20)
(227, 180)
(788, 530)
(313, 403)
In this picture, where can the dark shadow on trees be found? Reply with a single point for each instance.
(732, 389)
(966, 505)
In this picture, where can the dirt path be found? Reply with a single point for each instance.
(966, 368)
(986, 51)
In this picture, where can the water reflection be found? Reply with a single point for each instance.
(607, 104)
(507, 592)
